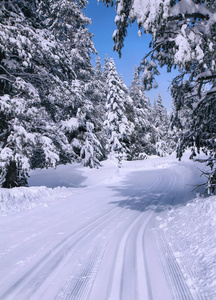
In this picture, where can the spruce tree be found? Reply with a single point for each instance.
(162, 123)
(98, 68)
(143, 138)
(118, 127)
(105, 68)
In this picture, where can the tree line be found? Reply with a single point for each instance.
(55, 107)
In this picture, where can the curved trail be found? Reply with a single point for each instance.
(102, 245)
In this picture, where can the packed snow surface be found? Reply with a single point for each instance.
(130, 233)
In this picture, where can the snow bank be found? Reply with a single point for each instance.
(18, 199)
(191, 233)
(55, 184)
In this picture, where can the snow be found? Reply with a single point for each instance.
(18, 199)
(132, 232)
(212, 90)
(147, 11)
(6, 154)
(49, 151)
(183, 54)
(200, 53)
(188, 7)
(194, 249)
(71, 124)
(204, 75)
(62, 176)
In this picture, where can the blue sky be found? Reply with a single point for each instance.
(134, 50)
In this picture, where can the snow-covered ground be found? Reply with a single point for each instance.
(138, 232)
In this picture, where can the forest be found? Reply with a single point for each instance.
(56, 107)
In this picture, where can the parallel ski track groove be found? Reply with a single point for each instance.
(28, 239)
(79, 294)
(76, 287)
(180, 288)
(54, 257)
(116, 288)
(149, 289)
(185, 265)
(172, 271)
(79, 283)
(137, 236)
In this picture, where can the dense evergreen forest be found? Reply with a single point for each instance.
(57, 108)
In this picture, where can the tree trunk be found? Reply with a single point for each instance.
(13, 178)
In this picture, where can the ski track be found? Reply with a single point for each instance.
(177, 282)
(78, 287)
(106, 256)
(38, 274)
(147, 257)
(123, 277)
(177, 285)
(41, 232)
(172, 269)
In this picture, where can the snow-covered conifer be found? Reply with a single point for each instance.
(118, 127)
(98, 68)
(28, 56)
(161, 121)
(105, 68)
(183, 36)
(45, 78)
(143, 141)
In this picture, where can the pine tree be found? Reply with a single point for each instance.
(143, 141)
(98, 68)
(106, 68)
(99, 96)
(162, 122)
(118, 127)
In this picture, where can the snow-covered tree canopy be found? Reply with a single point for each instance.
(183, 37)
(45, 78)
(143, 138)
(183, 34)
(117, 125)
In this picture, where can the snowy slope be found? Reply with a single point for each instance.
(190, 232)
(138, 232)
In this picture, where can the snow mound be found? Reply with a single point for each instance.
(55, 184)
(22, 198)
(191, 233)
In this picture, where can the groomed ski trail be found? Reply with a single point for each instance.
(102, 245)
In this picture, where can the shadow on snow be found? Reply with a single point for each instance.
(159, 190)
